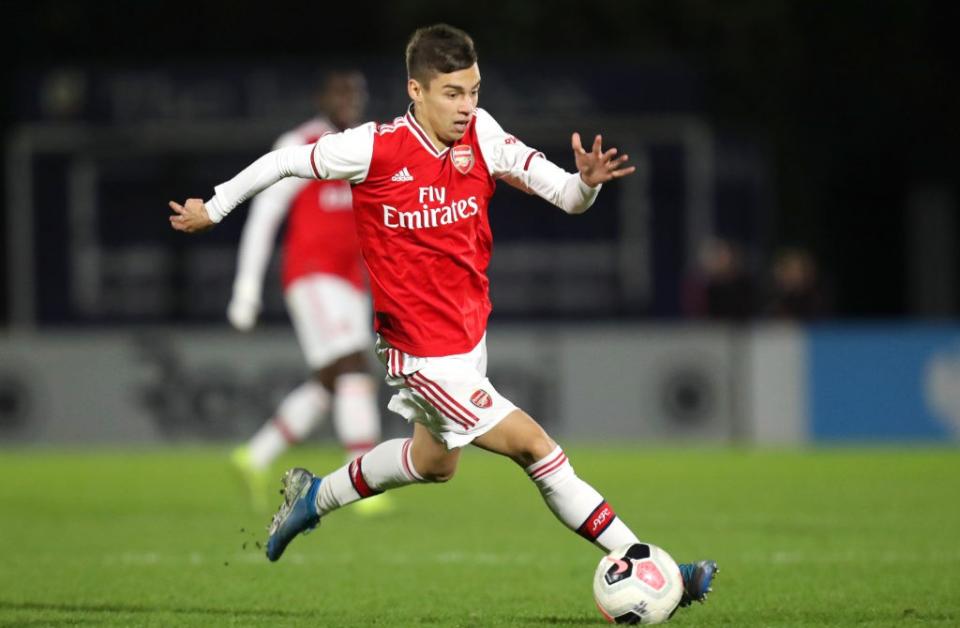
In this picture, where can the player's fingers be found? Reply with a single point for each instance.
(608, 155)
(576, 145)
(177, 207)
(616, 162)
(616, 174)
(597, 145)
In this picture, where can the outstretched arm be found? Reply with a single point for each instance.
(195, 216)
(527, 169)
(343, 155)
(575, 193)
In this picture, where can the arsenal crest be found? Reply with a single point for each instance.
(462, 158)
(480, 398)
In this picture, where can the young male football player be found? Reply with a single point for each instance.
(325, 291)
(421, 188)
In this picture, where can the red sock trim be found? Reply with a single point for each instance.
(549, 466)
(408, 462)
(356, 478)
(598, 522)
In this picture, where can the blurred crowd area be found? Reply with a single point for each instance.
(725, 286)
(795, 160)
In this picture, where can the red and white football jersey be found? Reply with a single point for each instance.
(423, 223)
(421, 216)
(320, 235)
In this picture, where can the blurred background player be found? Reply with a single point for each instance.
(324, 287)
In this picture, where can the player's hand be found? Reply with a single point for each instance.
(191, 217)
(242, 313)
(597, 166)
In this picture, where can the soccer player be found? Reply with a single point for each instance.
(325, 291)
(421, 188)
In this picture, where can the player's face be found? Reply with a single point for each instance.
(444, 107)
(344, 99)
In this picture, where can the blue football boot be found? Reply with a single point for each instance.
(298, 512)
(697, 580)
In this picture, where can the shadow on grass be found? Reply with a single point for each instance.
(139, 608)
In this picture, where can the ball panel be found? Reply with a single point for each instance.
(638, 551)
(630, 618)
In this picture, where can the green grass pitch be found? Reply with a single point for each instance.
(828, 537)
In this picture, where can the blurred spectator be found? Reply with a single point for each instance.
(721, 287)
(797, 291)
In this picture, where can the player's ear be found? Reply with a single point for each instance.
(414, 90)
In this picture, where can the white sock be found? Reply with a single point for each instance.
(388, 465)
(355, 414)
(298, 413)
(577, 504)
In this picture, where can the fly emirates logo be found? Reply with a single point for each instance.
(435, 211)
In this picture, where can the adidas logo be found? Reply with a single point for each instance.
(402, 175)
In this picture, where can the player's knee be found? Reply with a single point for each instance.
(439, 476)
(536, 448)
(439, 471)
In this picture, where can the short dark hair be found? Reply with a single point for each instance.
(437, 49)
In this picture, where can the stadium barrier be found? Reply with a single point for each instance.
(673, 383)
(884, 382)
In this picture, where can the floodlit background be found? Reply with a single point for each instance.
(782, 267)
(751, 346)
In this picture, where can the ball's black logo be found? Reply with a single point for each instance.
(622, 568)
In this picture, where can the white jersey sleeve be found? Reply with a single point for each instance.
(343, 155)
(529, 170)
(267, 212)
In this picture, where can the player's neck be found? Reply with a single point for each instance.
(439, 144)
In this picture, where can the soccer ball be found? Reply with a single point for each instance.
(637, 584)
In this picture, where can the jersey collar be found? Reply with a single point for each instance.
(422, 135)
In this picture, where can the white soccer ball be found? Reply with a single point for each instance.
(637, 584)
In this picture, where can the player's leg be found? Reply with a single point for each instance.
(425, 457)
(391, 464)
(574, 502)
